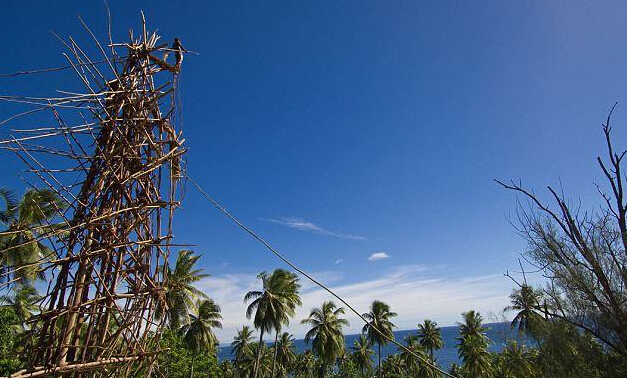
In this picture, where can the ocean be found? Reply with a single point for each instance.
(498, 333)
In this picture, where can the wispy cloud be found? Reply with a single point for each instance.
(304, 225)
(378, 256)
(415, 292)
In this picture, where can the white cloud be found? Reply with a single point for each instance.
(415, 292)
(378, 256)
(338, 261)
(303, 225)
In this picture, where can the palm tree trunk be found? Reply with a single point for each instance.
(258, 354)
(379, 347)
(322, 370)
(276, 338)
(191, 368)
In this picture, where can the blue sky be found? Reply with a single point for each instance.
(339, 130)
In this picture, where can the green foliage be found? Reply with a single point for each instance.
(472, 325)
(10, 205)
(23, 301)
(177, 361)
(379, 327)
(227, 370)
(455, 370)
(27, 221)
(347, 370)
(306, 365)
(526, 302)
(379, 319)
(327, 339)
(473, 347)
(430, 336)
(276, 302)
(9, 336)
(273, 305)
(241, 343)
(284, 353)
(180, 292)
(393, 366)
(362, 354)
(245, 360)
(567, 352)
(265, 354)
(582, 253)
(563, 350)
(407, 354)
(473, 351)
(515, 361)
(199, 331)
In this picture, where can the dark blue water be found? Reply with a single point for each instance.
(498, 333)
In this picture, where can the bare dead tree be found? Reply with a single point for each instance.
(582, 255)
(106, 273)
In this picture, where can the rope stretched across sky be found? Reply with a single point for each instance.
(236, 221)
(309, 277)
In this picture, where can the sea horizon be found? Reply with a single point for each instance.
(498, 333)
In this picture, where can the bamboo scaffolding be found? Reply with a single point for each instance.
(106, 276)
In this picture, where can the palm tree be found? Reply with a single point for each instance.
(265, 360)
(516, 361)
(430, 336)
(199, 331)
(393, 365)
(180, 292)
(284, 352)
(290, 297)
(525, 301)
(428, 371)
(246, 364)
(305, 365)
(226, 369)
(455, 370)
(342, 360)
(379, 327)
(273, 305)
(362, 353)
(23, 301)
(241, 343)
(473, 351)
(10, 204)
(473, 345)
(409, 353)
(472, 325)
(326, 332)
(29, 221)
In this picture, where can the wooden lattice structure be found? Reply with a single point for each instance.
(100, 316)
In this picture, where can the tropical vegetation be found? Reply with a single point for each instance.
(272, 306)
(326, 336)
(379, 328)
(571, 325)
(29, 221)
